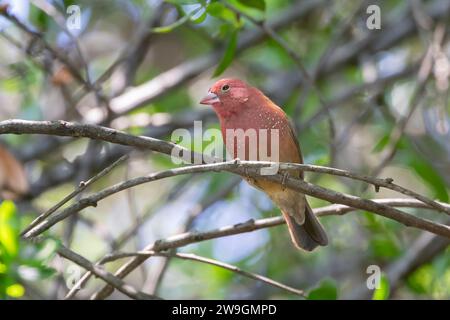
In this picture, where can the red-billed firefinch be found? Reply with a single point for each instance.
(242, 107)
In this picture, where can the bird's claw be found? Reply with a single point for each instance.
(283, 181)
(247, 176)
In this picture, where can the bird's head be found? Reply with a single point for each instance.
(227, 95)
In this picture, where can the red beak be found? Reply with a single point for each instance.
(210, 98)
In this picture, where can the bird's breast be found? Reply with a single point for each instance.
(259, 135)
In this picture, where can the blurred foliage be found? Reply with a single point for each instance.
(432, 279)
(20, 261)
(326, 290)
(382, 292)
(188, 30)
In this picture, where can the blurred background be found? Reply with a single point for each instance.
(375, 101)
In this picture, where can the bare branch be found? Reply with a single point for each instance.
(83, 185)
(194, 257)
(115, 282)
(251, 225)
(97, 132)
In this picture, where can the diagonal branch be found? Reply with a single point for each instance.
(83, 185)
(112, 280)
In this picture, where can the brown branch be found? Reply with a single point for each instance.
(241, 167)
(97, 132)
(114, 136)
(251, 225)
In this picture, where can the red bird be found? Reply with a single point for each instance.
(240, 106)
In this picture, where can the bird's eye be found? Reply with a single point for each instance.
(225, 88)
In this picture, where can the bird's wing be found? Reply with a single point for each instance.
(292, 132)
(294, 137)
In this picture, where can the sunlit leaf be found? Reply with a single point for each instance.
(218, 10)
(382, 293)
(9, 237)
(197, 19)
(228, 56)
(420, 281)
(15, 290)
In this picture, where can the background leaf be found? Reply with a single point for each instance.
(228, 55)
(382, 293)
(326, 290)
(257, 4)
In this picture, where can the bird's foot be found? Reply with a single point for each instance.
(248, 177)
(283, 181)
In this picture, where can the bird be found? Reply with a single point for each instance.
(240, 106)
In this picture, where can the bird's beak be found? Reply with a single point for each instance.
(210, 99)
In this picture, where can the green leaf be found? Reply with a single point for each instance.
(257, 4)
(384, 247)
(200, 18)
(382, 293)
(429, 175)
(15, 291)
(382, 143)
(421, 280)
(229, 54)
(326, 290)
(218, 10)
(9, 233)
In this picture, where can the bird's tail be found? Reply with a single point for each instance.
(310, 234)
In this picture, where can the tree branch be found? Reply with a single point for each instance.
(251, 225)
(112, 280)
(194, 257)
(64, 128)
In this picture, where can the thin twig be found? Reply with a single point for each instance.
(194, 257)
(112, 280)
(81, 187)
(422, 77)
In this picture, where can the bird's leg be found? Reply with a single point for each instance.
(283, 181)
(246, 174)
(248, 177)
